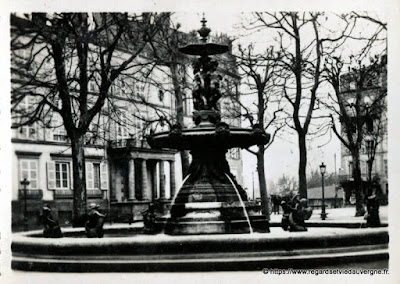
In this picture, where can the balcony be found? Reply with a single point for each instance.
(68, 194)
(63, 194)
(94, 193)
(129, 143)
(33, 194)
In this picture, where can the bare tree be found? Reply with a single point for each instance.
(302, 61)
(260, 76)
(301, 39)
(57, 56)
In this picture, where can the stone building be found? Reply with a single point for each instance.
(372, 87)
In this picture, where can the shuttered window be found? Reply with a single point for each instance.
(96, 175)
(59, 175)
(29, 171)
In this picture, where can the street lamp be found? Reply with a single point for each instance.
(322, 168)
(25, 183)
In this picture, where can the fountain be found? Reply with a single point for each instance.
(209, 226)
(210, 200)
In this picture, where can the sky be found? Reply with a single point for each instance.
(282, 156)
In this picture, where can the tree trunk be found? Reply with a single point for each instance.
(262, 181)
(79, 175)
(302, 166)
(358, 184)
(370, 189)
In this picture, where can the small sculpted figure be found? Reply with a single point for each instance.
(51, 226)
(300, 211)
(206, 91)
(285, 215)
(199, 100)
(372, 215)
(215, 93)
(149, 217)
(94, 225)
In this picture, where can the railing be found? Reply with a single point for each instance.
(36, 194)
(63, 193)
(129, 142)
(67, 193)
(94, 193)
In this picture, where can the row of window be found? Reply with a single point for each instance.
(59, 174)
(364, 167)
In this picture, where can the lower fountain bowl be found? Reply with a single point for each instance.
(125, 249)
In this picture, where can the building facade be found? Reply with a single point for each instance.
(372, 88)
(123, 174)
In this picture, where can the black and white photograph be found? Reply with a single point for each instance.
(199, 143)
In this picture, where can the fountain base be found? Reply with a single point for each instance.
(212, 218)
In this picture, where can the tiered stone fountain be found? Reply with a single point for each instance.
(210, 200)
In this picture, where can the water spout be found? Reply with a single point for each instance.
(242, 203)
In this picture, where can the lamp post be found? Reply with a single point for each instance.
(322, 168)
(25, 183)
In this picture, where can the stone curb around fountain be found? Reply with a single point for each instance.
(200, 252)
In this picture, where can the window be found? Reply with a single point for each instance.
(59, 132)
(28, 169)
(139, 89)
(26, 109)
(160, 95)
(96, 175)
(62, 175)
(59, 175)
(92, 86)
(28, 132)
(122, 127)
(363, 167)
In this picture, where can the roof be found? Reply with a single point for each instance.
(316, 192)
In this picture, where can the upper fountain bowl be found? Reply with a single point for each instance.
(204, 49)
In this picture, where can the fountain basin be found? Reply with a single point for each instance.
(135, 252)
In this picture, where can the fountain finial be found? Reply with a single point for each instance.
(204, 31)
